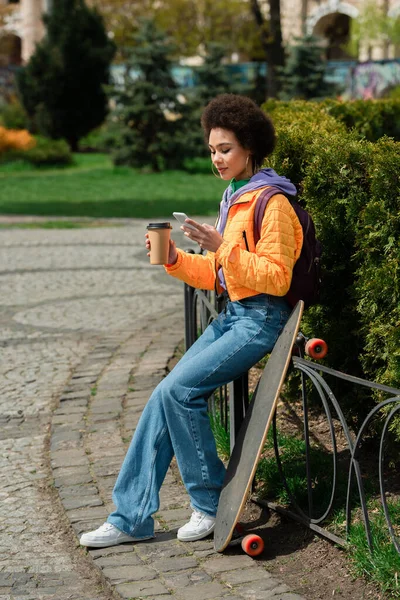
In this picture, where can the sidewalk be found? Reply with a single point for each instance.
(87, 329)
(98, 410)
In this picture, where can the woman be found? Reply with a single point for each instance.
(255, 279)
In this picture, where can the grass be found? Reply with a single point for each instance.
(382, 565)
(222, 437)
(93, 187)
(65, 224)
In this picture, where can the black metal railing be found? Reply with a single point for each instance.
(231, 402)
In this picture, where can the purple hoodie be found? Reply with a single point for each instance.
(264, 177)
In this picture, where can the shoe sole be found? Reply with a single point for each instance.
(197, 537)
(116, 543)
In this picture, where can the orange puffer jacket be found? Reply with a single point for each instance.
(265, 268)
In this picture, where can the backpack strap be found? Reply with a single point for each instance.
(259, 211)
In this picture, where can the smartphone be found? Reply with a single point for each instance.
(180, 216)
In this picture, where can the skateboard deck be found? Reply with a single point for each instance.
(253, 432)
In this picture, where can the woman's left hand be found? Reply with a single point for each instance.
(205, 235)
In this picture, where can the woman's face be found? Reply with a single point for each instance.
(229, 157)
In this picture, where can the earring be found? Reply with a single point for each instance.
(215, 173)
(247, 166)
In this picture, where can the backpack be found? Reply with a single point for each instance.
(306, 279)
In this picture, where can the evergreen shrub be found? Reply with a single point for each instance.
(13, 116)
(378, 266)
(44, 152)
(62, 85)
(150, 125)
(299, 123)
(371, 119)
(351, 188)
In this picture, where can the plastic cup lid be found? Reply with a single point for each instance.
(165, 225)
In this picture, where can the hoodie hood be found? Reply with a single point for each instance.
(265, 177)
(271, 178)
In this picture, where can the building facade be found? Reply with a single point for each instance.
(22, 26)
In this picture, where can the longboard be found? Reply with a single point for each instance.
(253, 432)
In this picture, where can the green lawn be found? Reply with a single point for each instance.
(93, 187)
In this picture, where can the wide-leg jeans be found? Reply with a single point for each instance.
(175, 419)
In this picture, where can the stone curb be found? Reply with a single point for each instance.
(92, 426)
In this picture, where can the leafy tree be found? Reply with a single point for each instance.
(151, 123)
(194, 24)
(62, 86)
(304, 72)
(121, 18)
(191, 24)
(373, 26)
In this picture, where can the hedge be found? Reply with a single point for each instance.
(45, 152)
(370, 119)
(351, 187)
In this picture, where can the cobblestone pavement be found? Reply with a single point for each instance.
(87, 330)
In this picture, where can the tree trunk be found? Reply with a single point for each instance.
(73, 144)
(304, 12)
(271, 40)
(276, 51)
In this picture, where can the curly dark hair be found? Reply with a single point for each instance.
(253, 129)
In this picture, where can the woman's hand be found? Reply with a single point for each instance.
(205, 235)
(172, 255)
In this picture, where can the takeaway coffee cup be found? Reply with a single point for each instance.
(159, 234)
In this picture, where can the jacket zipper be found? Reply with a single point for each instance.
(245, 240)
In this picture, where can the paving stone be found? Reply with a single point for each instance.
(78, 490)
(221, 564)
(178, 514)
(266, 588)
(71, 502)
(162, 549)
(66, 476)
(87, 513)
(126, 573)
(113, 550)
(202, 591)
(118, 560)
(68, 419)
(142, 589)
(244, 575)
(175, 564)
(74, 395)
(70, 458)
(182, 579)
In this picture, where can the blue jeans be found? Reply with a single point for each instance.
(175, 419)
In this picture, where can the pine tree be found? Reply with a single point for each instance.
(304, 72)
(212, 77)
(62, 86)
(151, 119)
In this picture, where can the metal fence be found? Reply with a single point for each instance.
(231, 403)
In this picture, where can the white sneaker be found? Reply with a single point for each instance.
(107, 535)
(199, 527)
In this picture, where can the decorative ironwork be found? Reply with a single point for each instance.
(200, 309)
(315, 372)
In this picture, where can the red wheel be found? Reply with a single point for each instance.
(253, 545)
(316, 348)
